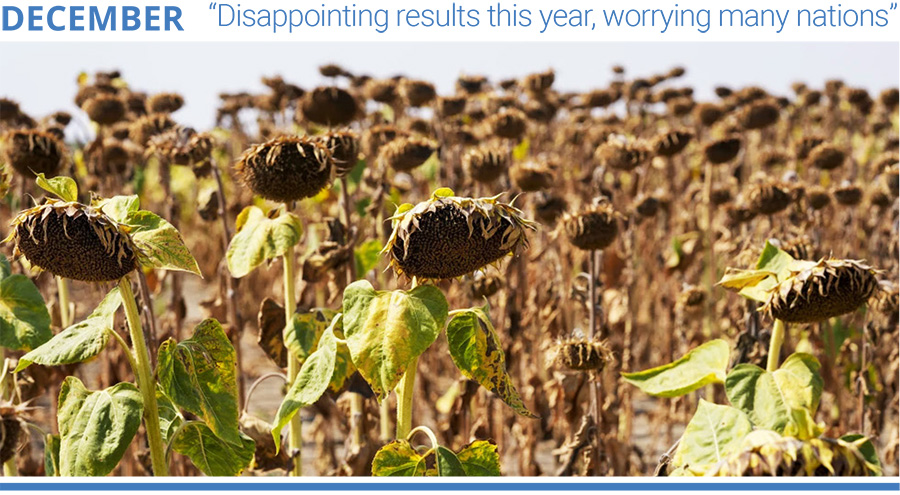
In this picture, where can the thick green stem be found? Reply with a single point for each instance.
(405, 400)
(775, 344)
(65, 311)
(295, 435)
(145, 382)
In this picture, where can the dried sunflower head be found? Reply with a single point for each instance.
(75, 241)
(286, 168)
(508, 123)
(825, 157)
(164, 103)
(449, 106)
(708, 113)
(817, 197)
(484, 284)
(723, 150)
(449, 236)
(344, 146)
(105, 109)
(671, 143)
(594, 228)
(406, 153)
(769, 198)
(148, 126)
(417, 93)
(549, 207)
(848, 194)
(379, 135)
(486, 163)
(620, 155)
(11, 431)
(759, 114)
(330, 106)
(532, 176)
(822, 290)
(32, 152)
(766, 453)
(583, 354)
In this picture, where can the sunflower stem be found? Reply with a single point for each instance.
(145, 383)
(405, 400)
(775, 343)
(295, 435)
(65, 311)
(405, 390)
(9, 467)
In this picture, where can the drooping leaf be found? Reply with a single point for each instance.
(119, 207)
(305, 330)
(366, 256)
(398, 458)
(447, 463)
(271, 331)
(386, 331)
(863, 446)
(480, 458)
(212, 455)
(24, 320)
(80, 341)
(784, 401)
(260, 238)
(63, 187)
(476, 350)
(267, 456)
(714, 433)
(160, 243)
(51, 455)
(701, 366)
(199, 375)
(343, 368)
(169, 416)
(773, 266)
(311, 382)
(95, 428)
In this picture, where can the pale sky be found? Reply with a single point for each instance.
(41, 76)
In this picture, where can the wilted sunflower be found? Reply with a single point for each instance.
(848, 194)
(144, 128)
(532, 176)
(417, 93)
(449, 236)
(11, 430)
(508, 123)
(594, 228)
(105, 109)
(344, 146)
(817, 197)
(723, 150)
(769, 198)
(759, 115)
(164, 103)
(406, 153)
(671, 143)
(329, 105)
(486, 163)
(286, 168)
(32, 152)
(822, 290)
(75, 241)
(620, 155)
(767, 453)
(582, 354)
(825, 157)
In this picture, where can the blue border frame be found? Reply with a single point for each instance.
(7, 486)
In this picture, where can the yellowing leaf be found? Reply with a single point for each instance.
(160, 243)
(714, 433)
(260, 238)
(476, 350)
(386, 331)
(61, 186)
(701, 366)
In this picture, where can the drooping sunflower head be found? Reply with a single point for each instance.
(486, 163)
(594, 228)
(448, 236)
(822, 290)
(344, 146)
(329, 105)
(75, 241)
(32, 152)
(406, 153)
(583, 354)
(286, 168)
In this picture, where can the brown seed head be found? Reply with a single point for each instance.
(486, 163)
(448, 237)
(329, 106)
(344, 146)
(508, 123)
(723, 150)
(620, 155)
(822, 290)
(75, 241)
(848, 194)
(583, 355)
(32, 152)
(671, 143)
(760, 114)
(417, 93)
(826, 157)
(144, 128)
(532, 176)
(406, 153)
(286, 168)
(105, 109)
(769, 198)
(164, 103)
(594, 228)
